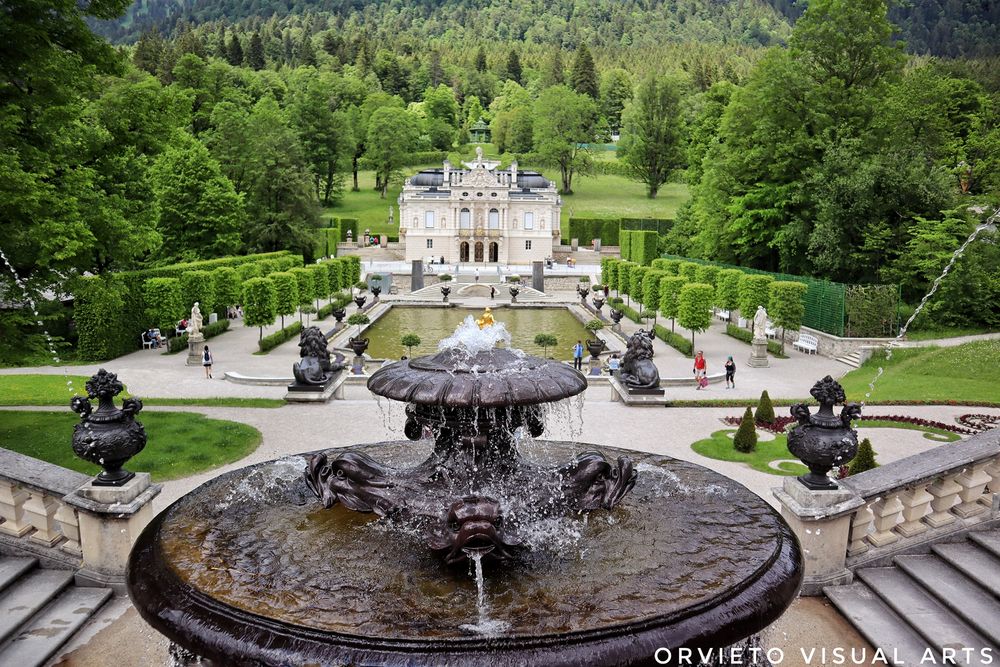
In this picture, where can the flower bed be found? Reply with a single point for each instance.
(781, 423)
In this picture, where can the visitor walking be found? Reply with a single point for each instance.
(578, 355)
(730, 373)
(607, 291)
(493, 292)
(207, 361)
(700, 370)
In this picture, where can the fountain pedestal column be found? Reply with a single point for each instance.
(758, 356)
(538, 276)
(416, 275)
(196, 347)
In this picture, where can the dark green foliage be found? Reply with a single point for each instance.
(745, 335)
(178, 343)
(745, 439)
(268, 343)
(864, 460)
(583, 77)
(410, 341)
(625, 244)
(651, 141)
(765, 409)
(545, 341)
(643, 246)
(165, 306)
(197, 287)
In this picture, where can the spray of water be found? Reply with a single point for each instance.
(485, 625)
(989, 224)
(470, 339)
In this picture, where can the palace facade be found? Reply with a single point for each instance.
(480, 214)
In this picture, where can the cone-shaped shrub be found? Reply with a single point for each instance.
(745, 439)
(765, 411)
(865, 460)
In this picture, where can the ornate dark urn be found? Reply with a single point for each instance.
(598, 304)
(360, 300)
(339, 314)
(583, 291)
(358, 345)
(514, 291)
(595, 347)
(375, 290)
(445, 291)
(107, 436)
(824, 440)
(617, 315)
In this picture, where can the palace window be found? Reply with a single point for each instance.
(429, 219)
(527, 245)
(430, 243)
(529, 220)
(465, 219)
(494, 221)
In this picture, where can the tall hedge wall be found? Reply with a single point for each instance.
(643, 248)
(110, 311)
(609, 229)
(625, 245)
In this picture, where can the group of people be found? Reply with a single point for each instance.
(155, 337)
(700, 371)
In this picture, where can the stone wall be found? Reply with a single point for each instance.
(836, 346)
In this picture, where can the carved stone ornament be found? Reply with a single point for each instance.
(480, 178)
(108, 437)
(824, 440)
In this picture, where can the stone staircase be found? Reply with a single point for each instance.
(40, 610)
(853, 359)
(947, 601)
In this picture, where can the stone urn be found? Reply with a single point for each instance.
(514, 291)
(108, 436)
(360, 300)
(339, 314)
(824, 440)
(598, 304)
(375, 290)
(595, 347)
(617, 315)
(358, 345)
(445, 291)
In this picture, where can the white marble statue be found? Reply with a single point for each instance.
(479, 154)
(194, 323)
(760, 324)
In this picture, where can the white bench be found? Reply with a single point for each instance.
(722, 314)
(769, 329)
(807, 343)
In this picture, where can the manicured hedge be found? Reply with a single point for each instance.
(343, 224)
(643, 247)
(268, 343)
(674, 340)
(326, 240)
(178, 343)
(165, 306)
(745, 335)
(625, 245)
(609, 229)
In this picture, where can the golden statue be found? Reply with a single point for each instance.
(486, 320)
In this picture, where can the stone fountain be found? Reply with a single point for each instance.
(362, 555)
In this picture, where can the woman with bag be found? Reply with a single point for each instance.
(206, 361)
(700, 371)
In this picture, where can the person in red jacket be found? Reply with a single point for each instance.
(700, 370)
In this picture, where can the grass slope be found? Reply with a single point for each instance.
(180, 444)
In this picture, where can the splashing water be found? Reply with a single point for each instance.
(989, 225)
(485, 625)
(469, 338)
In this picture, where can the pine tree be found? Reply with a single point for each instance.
(514, 66)
(235, 55)
(255, 52)
(765, 409)
(481, 60)
(583, 78)
(745, 439)
(865, 459)
(148, 51)
(434, 69)
(221, 50)
(557, 71)
(306, 54)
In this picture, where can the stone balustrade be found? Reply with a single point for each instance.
(900, 507)
(59, 516)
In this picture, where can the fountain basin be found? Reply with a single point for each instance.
(250, 569)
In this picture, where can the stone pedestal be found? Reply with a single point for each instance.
(358, 366)
(416, 275)
(758, 356)
(538, 275)
(111, 519)
(597, 245)
(196, 347)
(574, 244)
(821, 521)
(595, 366)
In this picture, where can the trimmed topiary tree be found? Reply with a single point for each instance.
(321, 282)
(765, 409)
(333, 276)
(545, 341)
(708, 274)
(727, 290)
(689, 270)
(164, 303)
(593, 326)
(358, 319)
(624, 279)
(865, 459)
(694, 307)
(754, 291)
(260, 304)
(786, 306)
(636, 276)
(745, 439)
(670, 290)
(245, 272)
(410, 341)
(651, 290)
(306, 286)
(197, 286)
(226, 285)
(286, 291)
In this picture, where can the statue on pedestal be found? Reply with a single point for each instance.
(194, 323)
(760, 325)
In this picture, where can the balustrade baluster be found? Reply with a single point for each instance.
(916, 503)
(12, 499)
(945, 491)
(973, 481)
(887, 511)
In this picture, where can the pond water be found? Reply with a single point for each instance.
(434, 324)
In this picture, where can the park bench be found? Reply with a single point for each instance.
(769, 330)
(807, 343)
(146, 343)
(722, 314)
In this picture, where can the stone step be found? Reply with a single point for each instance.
(975, 605)
(988, 540)
(12, 568)
(975, 562)
(879, 624)
(853, 360)
(938, 625)
(44, 634)
(24, 599)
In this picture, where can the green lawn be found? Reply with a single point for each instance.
(598, 196)
(38, 389)
(180, 444)
(947, 374)
(720, 447)
(946, 332)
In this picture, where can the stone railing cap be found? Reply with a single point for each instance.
(39, 475)
(925, 465)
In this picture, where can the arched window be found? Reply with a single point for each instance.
(494, 220)
(465, 219)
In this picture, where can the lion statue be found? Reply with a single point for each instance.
(315, 367)
(638, 370)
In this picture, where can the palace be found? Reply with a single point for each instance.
(479, 214)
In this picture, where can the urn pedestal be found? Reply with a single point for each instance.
(196, 348)
(758, 356)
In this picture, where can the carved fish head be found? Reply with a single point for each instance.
(355, 480)
(473, 524)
